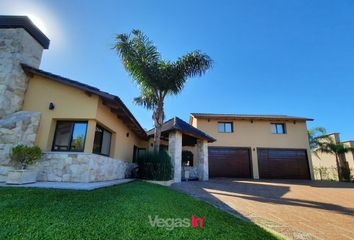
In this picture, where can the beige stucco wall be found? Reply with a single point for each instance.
(123, 145)
(70, 104)
(325, 166)
(257, 134)
(350, 156)
(74, 104)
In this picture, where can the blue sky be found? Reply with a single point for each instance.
(293, 57)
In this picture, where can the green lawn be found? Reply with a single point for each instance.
(119, 212)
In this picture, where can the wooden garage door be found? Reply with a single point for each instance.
(229, 162)
(283, 163)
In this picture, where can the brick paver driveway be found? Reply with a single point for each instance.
(295, 209)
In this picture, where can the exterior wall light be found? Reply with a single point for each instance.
(51, 106)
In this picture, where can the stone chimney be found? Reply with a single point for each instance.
(20, 42)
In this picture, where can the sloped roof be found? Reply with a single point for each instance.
(113, 102)
(249, 116)
(184, 127)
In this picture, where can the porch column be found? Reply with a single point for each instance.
(175, 151)
(203, 160)
(90, 136)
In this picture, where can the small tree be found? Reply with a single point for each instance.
(338, 150)
(22, 156)
(317, 135)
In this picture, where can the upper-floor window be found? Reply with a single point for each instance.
(70, 136)
(278, 128)
(225, 127)
(102, 141)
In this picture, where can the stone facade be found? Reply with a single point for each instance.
(17, 128)
(175, 151)
(16, 46)
(203, 164)
(81, 167)
(193, 172)
(200, 169)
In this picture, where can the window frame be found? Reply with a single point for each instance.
(224, 127)
(136, 151)
(110, 142)
(276, 128)
(71, 135)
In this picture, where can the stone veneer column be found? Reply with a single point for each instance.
(16, 46)
(90, 136)
(203, 160)
(175, 151)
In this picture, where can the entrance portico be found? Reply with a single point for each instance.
(178, 134)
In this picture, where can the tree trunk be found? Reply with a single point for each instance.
(158, 121)
(338, 168)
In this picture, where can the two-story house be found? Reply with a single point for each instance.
(256, 146)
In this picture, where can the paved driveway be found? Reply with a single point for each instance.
(295, 209)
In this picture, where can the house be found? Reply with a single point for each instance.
(324, 164)
(88, 135)
(256, 146)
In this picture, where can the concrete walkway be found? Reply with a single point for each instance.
(71, 185)
(293, 209)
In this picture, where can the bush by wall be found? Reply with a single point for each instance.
(155, 166)
(22, 156)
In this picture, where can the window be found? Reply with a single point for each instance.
(102, 141)
(278, 128)
(138, 153)
(225, 127)
(70, 136)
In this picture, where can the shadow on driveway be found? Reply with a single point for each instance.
(295, 209)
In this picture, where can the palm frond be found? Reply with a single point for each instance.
(334, 148)
(144, 101)
(194, 64)
(139, 56)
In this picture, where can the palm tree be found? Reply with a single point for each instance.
(337, 149)
(317, 135)
(156, 77)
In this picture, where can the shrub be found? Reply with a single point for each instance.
(345, 172)
(155, 166)
(187, 158)
(22, 156)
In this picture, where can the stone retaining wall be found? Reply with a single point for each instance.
(81, 167)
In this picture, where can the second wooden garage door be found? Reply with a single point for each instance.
(229, 162)
(283, 163)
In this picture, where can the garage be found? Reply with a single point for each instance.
(283, 163)
(229, 162)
